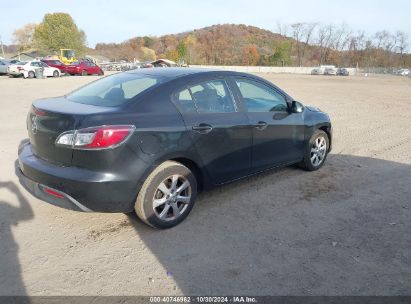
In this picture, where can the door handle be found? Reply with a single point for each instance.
(261, 125)
(203, 128)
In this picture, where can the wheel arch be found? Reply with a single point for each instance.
(327, 130)
(184, 159)
(193, 166)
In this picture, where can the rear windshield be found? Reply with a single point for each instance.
(114, 90)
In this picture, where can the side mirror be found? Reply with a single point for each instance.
(297, 107)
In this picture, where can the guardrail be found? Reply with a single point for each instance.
(266, 69)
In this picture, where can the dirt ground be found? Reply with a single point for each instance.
(343, 230)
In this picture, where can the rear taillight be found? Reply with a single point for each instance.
(96, 137)
(20, 69)
(38, 112)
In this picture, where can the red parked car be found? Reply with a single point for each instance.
(55, 63)
(84, 68)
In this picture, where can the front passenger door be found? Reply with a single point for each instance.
(277, 133)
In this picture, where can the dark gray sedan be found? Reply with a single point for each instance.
(149, 140)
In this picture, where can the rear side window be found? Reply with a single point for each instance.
(206, 97)
(114, 90)
(185, 101)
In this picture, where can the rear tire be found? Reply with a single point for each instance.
(56, 74)
(84, 73)
(31, 74)
(316, 151)
(167, 195)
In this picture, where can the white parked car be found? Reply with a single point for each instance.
(404, 72)
(330, 71)
(16, 69)
(28, 69)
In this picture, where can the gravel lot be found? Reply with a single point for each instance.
(343, 230)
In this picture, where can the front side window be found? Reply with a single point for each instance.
(114, 90)
(206, 97)
(260, 98)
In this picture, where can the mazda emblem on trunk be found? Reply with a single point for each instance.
(34, 125)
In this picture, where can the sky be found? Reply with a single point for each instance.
(119, 20)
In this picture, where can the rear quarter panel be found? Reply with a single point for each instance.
(160, 135)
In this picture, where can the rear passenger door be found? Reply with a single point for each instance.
(220, 133)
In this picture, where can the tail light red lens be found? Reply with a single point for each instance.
(38, 112)
(96, 137)
(52, 192)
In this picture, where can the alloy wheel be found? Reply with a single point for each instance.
(318, 151)
(172, 197)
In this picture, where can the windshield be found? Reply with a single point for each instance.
(114, 90)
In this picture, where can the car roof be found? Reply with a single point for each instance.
(172, 73)
(175, 72)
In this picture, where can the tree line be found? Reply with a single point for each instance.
(295, 44)
(339, 45)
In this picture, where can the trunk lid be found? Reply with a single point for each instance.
(48, 118)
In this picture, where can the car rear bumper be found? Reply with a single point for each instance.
(49, 195)
(72, 187)
(15, 73)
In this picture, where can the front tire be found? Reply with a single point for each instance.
(316, 151)
(84, 73)
(167, 195)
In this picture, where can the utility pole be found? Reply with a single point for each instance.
(2, 49)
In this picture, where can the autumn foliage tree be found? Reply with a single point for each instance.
(23, 37)
(250, 55)
(57, 31)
